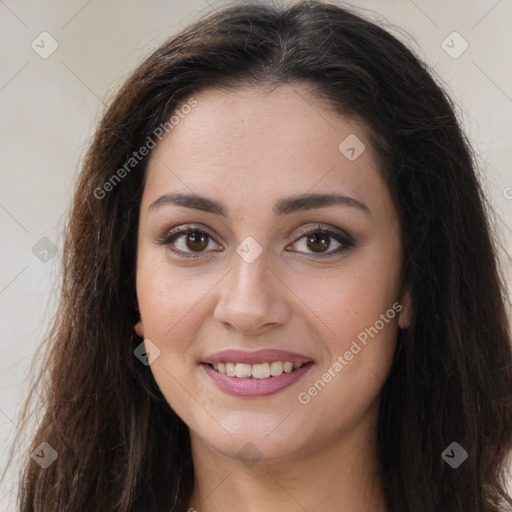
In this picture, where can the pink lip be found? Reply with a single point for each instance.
(252, 388)
(260, 356)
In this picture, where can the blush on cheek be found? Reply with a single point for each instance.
(372, 338)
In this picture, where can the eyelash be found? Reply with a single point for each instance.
(345, 241)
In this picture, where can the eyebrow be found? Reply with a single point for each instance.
(303, 202)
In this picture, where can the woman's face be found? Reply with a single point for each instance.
(292, 255)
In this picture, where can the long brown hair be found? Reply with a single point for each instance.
(120, 446)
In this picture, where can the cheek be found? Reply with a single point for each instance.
(169, 300)
(351, 298)
(168, 305)
(357, 314)
(360, 352)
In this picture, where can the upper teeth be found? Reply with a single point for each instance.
(258, 371)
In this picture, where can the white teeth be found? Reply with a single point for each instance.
(261, 371)
(243, 371)
(276, 368)
(230, 369)
(257, 371)
(287, 367)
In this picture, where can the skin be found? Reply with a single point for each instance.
(249, 148)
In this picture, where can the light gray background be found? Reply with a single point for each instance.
(51, 106)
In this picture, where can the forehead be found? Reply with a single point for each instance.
(262, 143)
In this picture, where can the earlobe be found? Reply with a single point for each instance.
(138, 329)
(404, 318)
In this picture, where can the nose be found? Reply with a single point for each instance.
(252, 297)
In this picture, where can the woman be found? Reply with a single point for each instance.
(280, 286)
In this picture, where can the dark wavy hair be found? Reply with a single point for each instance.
(120, 446)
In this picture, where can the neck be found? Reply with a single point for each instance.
(342, 474)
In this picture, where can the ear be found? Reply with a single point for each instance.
(139, 329)
(404, 318)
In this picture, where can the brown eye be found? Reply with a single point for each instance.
(190, 242)
(197, 240)
(185, 241)
(318, 242)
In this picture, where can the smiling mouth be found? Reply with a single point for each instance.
(265, 370)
